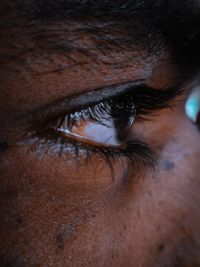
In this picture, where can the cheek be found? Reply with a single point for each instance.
(57, 207)
(86, 213)
(58, 211)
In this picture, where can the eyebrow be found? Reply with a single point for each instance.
(178, 21)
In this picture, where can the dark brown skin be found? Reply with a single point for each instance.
(61, 211)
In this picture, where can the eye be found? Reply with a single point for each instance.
(106, 128)
(106, 124)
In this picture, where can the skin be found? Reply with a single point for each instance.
(63, 211)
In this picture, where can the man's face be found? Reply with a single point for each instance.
(99, 165)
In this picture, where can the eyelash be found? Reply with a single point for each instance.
(144, 101)
(110, 108)
(115, 109)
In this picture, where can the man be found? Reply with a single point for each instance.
(99, 164)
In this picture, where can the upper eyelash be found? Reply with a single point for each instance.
(108, 108)
(144, 100)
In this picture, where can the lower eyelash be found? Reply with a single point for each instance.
(136, 153)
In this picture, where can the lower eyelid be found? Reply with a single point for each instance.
(52, 143)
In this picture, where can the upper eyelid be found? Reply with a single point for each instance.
(77, 102)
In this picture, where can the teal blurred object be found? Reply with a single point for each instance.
(192, 106)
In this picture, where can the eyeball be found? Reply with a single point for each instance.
(107, 132)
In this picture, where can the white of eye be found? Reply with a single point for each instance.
(102, 133)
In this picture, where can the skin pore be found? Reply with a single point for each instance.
(63, 207)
